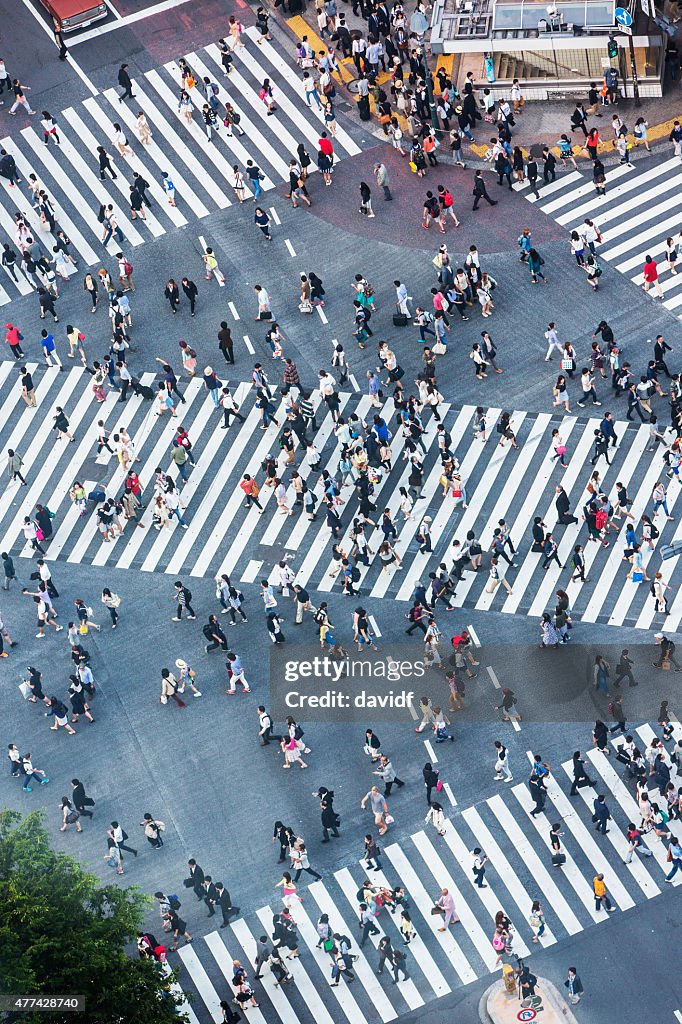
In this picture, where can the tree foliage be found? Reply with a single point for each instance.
(63, 933)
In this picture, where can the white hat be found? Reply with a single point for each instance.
(180, 663)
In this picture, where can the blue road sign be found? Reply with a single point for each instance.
(623, 17)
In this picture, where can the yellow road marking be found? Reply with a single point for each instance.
(300, 27)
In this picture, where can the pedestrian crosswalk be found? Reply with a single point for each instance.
(519, 871)
(641, 209)
(225, 537)
(201, 170)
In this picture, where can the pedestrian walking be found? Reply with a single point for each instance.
(601, 815)
(502, 769)
(445, 905)
(20, 98)
(169, 188)
(480, 191)
(480, 860)
(153, 828)
(580, 776)
(635, 843)
(125, 81)
(574, 986)
(537, 920)
(81, 802)
(70, 816)
(183, 599)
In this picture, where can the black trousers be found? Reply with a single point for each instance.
(227, 914)
(539, 796)
(577, 779)
(416, 625)
(482, 195)
(309, 871)
(389, 785)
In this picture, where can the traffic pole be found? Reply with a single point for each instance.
(431, 98)
(428, 81)
(633, 72)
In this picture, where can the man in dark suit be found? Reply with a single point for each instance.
(195, 880)
(480, 191)
(125, 82)
(80, 799)
(210, 894)
(563, 508)
(225, 904)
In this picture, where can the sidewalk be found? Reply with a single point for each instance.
(499, 1007)
(540, 124)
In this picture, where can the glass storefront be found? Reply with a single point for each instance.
(527, 15)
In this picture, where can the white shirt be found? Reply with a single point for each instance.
(286, 576)
(117, 835)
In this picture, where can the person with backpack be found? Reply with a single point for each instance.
(152, 830)
(636, 843)
(508, 702)
(183, 598)
(169, 686)
(658, 587)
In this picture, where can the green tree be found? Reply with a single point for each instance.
(63, 933)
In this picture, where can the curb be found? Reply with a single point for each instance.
(552, 996)
(345, 79)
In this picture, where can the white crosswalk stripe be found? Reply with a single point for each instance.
(201, 170)
(27, 166)
(437, 961)
(640, 210)
(225, 537)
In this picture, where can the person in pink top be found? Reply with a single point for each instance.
(438, 301)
